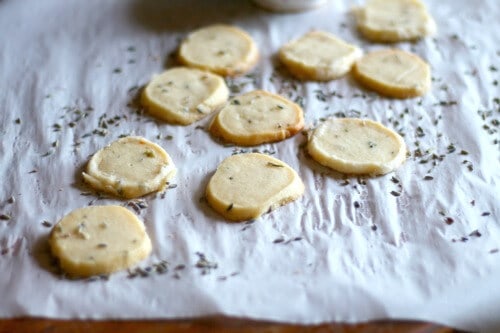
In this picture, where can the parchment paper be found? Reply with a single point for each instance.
(348, 250)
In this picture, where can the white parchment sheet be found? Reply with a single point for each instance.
(420, 243)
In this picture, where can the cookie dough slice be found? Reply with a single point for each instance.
(246, 186)
(222, 49)
(394, 20)
(257, 117)
(184, 95)
(357, 146)
(99, 240)
(319, 56)
(130, 167)
(393, 73)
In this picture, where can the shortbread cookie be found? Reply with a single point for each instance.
(319, 56)
(99, 240)
(246, 186)
(222, 49)
(393, 73)
(257, 117)
(356, 146)
(394, 20)
(130, 167)
(184, 95)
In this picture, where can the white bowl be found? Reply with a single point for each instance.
(290, 5)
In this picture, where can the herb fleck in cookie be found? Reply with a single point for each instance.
(319, 56)
(257, 117)
(394, 20)
(184, 95)
(130, 167)
(222, 49)
(246, 186)
(99, 240)
(393, 73)
(356, 146)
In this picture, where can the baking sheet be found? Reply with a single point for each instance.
(348, 250)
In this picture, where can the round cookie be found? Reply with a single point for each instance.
(257, 117)
(129, 167)
(319, 56)
(99, 240)
(394, 20)
(246, 186)
(356, 146)
(184, 95)
(393, 73)
(222, 49)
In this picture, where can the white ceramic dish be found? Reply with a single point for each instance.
(290, 5)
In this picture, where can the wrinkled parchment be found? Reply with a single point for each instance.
(348, 250)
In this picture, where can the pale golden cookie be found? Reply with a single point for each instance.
(246, 186)
(356, 146)
(394, 20)
(184, 95)
(393, 73)
(222, 49)
(257, 117)
(99, 240)
(130, 167)
(319, 56)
